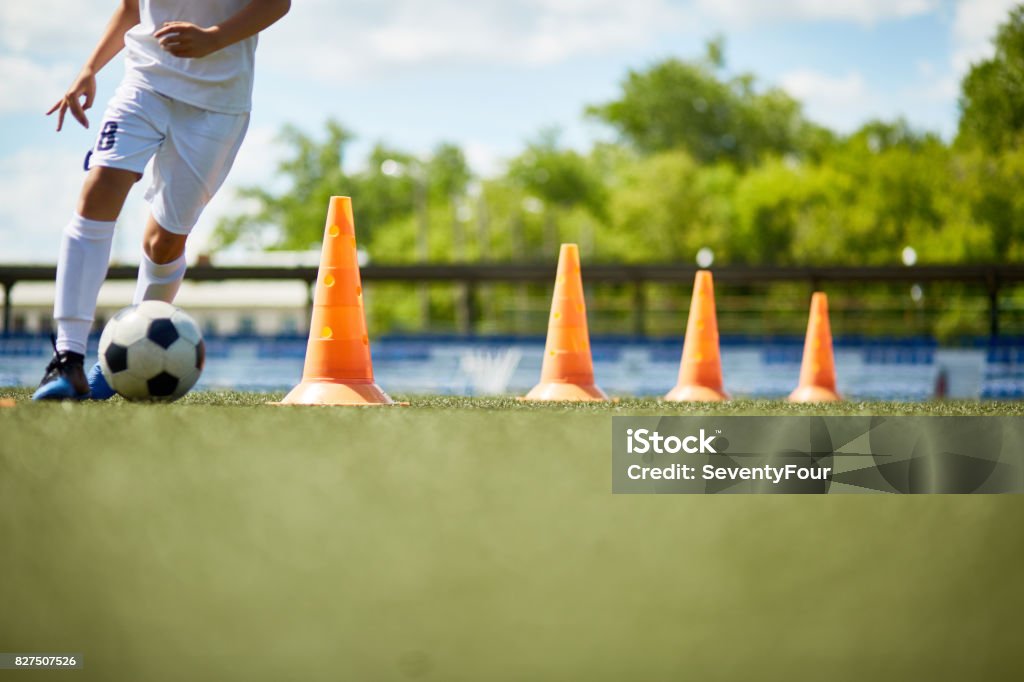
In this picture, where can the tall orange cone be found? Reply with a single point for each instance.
(818, 371)
(338, 369)
(700, 372)
(568, 370)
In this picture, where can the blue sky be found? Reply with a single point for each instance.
(487, 75)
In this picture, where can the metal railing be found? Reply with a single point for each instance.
(469, 276)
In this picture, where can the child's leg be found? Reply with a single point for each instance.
(160, 274)
(163, 264)
(188, 170)
(129, 135)
(85, 254)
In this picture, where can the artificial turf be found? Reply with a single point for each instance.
(471, 539)
(622, 406)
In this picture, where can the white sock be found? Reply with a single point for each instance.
(159, 281)
(81, 269)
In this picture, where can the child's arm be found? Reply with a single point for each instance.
(112, 42)
(183, 39)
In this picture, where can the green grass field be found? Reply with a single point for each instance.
(459, 539)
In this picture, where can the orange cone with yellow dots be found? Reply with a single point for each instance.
(700, 372)
(568, 370)
(818, 370)
(338, 369)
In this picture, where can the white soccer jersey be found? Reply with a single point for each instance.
(220, 82)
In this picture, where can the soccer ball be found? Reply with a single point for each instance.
(152, 351)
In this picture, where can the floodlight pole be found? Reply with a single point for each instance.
(421, 205)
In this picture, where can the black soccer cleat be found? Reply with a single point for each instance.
(64, 378)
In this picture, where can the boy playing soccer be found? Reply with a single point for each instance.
(184, 103)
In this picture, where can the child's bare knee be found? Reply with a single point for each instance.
(162, 246)
(104, 192)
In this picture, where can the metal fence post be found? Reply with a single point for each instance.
(8, 307)
(993, 305)
(639, 308)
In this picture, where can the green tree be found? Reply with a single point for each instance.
(384, 191)
(990, 188)
(561, 179)
(666, 207)
(558, 176)
(992, 93)
(393, 187)
(991, 140)
(447, 172)
(693, 105)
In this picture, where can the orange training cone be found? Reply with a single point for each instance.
(568, 370)
(338, 369)
(818, 371)
(700, 372)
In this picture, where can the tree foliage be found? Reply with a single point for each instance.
(992, 94)
(562, 178)
(705, 159)
(694, 106)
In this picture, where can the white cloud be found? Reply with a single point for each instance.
(841, 90)
(370, 38)
(483, 158)
(37, 197)
(52, 26)
(746, 12)
(974, 27)
(39, 189)
(346, 40)
(944, 89)
(843, 101)
(28, 86)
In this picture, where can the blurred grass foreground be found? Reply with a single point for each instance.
(468, 540)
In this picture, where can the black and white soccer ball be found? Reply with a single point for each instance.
(152, 351)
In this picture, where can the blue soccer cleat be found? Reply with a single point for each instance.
(98, 386)
(64, 378)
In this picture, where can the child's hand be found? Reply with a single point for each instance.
(84, 86)
(186, 40)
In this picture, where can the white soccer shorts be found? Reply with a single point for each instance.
(192, 151)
